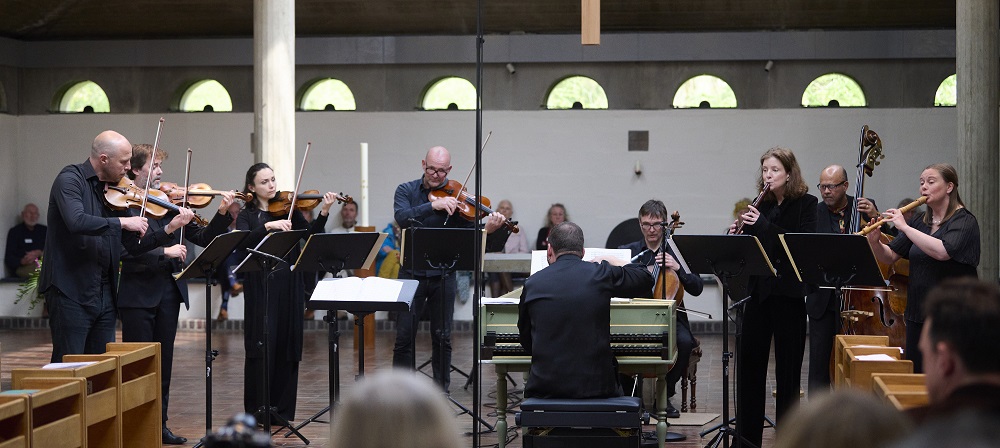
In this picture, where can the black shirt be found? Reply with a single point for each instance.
(21, 240)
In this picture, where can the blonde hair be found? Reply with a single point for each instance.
(419, 416)
(843, 418)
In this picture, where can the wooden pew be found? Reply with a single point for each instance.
(858, 373)
(102, 403)
(139, 394)
(14, 428)
(902, 390)
(56, 411)
(844, 341)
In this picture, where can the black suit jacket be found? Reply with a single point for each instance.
(565, 324)
(796, 215)
(145, 276)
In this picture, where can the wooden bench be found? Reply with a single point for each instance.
(102, 402)
(858, 372)
(139, 393)
(845, 341)
(56, 411)
(14, 428)
(902, 390)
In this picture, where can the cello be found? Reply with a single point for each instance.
(875, 312)
(668, 284)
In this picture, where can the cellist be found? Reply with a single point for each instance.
(650, 251)
(833, 215)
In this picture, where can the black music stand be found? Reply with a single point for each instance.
(204, 266)
(445, 250)
(267, 257)
(334, 252)
(835, 261)
(726, 257)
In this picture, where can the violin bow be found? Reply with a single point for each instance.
(152, 160)
(298, 182)
(466, 183)
(187, 178)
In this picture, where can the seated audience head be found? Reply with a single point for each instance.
(959, 337)
(967, 429)
(565, 238)
(843, 418)
(741, 207)
(394, 408)
(505, 208)
(557, 214)
(29, 215)
(349, 215)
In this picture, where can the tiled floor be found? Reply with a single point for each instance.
(31, 348)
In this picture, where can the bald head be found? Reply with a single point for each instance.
(436, 164)
(110, 156)
(833, 186)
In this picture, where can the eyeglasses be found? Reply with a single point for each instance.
(439, 171)
(830, 187)
(649, 225)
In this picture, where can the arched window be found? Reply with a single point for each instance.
(946, 94)
(833, 90)
(705, 91)
(577, 92)
(206, 95)
(328, 94)
(451, 93)
(84, 96)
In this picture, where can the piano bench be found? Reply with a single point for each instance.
(579, 423)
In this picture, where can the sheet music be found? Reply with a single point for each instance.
(368, 289)
(539, 258)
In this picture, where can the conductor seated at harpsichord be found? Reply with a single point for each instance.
(565, 319)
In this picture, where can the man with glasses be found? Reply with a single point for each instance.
(833, 215)
(414, 207)
(652, 218)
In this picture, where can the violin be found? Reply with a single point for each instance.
(467, 203)
(281, 203)
(199, 195)
(126, 194)
(668, 284)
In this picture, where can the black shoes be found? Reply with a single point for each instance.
(170, 439)
(672, 412)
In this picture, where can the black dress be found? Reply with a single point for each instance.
(285, 306)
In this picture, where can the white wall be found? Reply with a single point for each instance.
(700, 161)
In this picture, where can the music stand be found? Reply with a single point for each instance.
(266, 258)
(445, 250)
(726, 257)
(204, 266)
(334, 252)
(835, 261)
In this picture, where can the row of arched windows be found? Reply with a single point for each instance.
(455, 93)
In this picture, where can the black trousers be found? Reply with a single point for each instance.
(821, 334)
(429, 296)
(913, 330)
(157, 324)
(784, 319)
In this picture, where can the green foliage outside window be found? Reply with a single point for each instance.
(833, 89)
(85, 96)
(208, 96)
(328, 94)
(947, 93)
(705, 91)
(452, 93)
(577, 92)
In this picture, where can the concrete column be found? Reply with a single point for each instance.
(977, 59)
(274, 88)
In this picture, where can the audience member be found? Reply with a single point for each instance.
(394, 409)
(230, 284)
(557, 214)
(348, 218)
(960, 352)
(24, 243)
(844, 418)
(503, 282)
(968, 429)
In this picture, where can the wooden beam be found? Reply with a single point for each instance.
(590, 22)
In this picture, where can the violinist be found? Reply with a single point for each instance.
(150, 299)
(286, 298)
(776, 308)
(651, 252)
(833, 215)
(414, 207)
(941, 243)
(82, 249)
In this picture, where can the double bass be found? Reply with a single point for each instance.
(875, 312)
